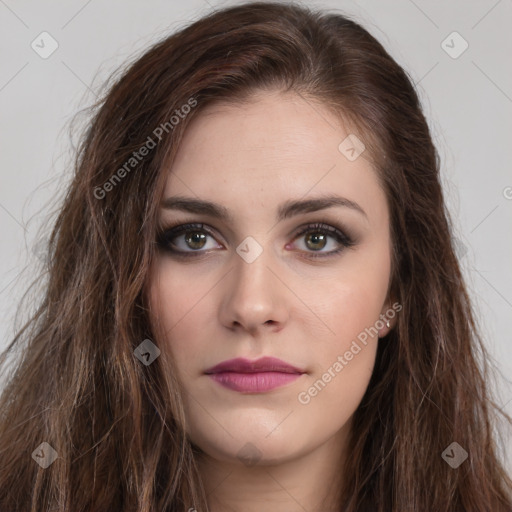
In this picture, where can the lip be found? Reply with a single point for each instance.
(258, 376)
(264, 364)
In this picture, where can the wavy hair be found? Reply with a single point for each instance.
(116, 425)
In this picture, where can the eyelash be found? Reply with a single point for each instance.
(169, 233)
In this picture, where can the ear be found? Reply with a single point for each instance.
(388, 316)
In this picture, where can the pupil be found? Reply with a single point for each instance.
(316, 238)
(195, 239)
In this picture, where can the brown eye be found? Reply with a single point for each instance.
(317, 238)
(194, 239)
(316, 241)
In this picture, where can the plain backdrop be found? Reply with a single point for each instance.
(455, 52)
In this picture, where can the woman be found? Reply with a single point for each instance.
(253, 298)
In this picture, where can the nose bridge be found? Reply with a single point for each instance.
(254, 295)
(251, 274)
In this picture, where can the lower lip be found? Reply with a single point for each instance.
(254, 382)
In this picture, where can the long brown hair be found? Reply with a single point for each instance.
(116, 425)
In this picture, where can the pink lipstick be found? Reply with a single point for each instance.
(257, 376)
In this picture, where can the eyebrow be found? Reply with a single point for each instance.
(286, 210)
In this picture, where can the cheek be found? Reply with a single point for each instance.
(180, 305)
(343, 361)
(344, 352)
(330, 398)
(174, 293)
(347, 303)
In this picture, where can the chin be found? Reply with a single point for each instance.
(251, 446)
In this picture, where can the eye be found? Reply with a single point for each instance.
(317, 236)
(194, 236)
(194, 240)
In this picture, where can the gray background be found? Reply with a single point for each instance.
(467, 99)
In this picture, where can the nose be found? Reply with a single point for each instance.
(254, 297)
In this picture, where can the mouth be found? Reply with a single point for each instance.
(254, 382)
(257, 376)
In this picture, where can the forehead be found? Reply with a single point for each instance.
(276, 146)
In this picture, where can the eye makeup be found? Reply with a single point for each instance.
(317, 232)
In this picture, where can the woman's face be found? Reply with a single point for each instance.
(251, 286)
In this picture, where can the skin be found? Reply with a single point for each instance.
(250, 158)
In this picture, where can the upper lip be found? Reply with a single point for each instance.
(264, 364)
